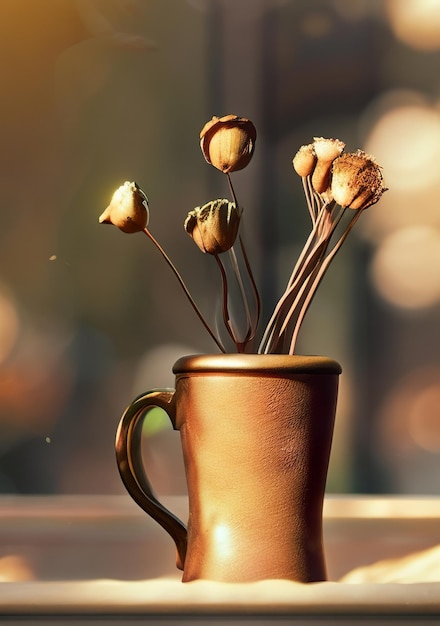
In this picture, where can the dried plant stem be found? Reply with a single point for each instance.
(238, 276)
(231, 189)
(225, 307)
(251, 325)
(300, 297)
(314, 200)
(304, 279)
(302, 267)
(289, 301)
(254, 287)
(319, 275)
(252, 321)
(233, 258)
(185, 289)
(310, 198)
(311, 243)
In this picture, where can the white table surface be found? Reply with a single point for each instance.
(64, 539)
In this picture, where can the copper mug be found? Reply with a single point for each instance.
(256, 433)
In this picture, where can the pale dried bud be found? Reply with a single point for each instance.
(357, 180)
(214, 226)
(326, 151)
(228, 142)
(128, 209)
(304, 160)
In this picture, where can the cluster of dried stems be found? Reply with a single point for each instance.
(338, 187)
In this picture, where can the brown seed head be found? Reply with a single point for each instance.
(357, 180)
(326, 151)
(304, 160)
(214, 226)
(228, 142)
(128, 209)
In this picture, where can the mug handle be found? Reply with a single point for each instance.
(131, 468)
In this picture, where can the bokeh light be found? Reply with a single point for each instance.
(424, 418)
(406, 267)
(107, 91)
(410, 416)
(416, 22)
(406, 135)
(9, 325)
(402, 129)
(403, 132)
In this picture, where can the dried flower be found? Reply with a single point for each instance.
(332, 182)
(214, 226)
(304, 160)
(326, 151)
(228, 142)
(128, 209)
(357, 180)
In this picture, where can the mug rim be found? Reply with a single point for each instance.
(256, 363)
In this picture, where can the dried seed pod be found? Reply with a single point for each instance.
(128, 209)
(304, 160)
(326, 151)
(357, 180)
(214, 226)
(228, 142)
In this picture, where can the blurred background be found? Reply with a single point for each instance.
(96, 92)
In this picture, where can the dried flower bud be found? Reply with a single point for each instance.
(357, 180)
(304, 160)
(214, 226)
(326, 150)
(128, 209)
(228, 142)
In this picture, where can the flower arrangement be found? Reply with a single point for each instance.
(338, 187)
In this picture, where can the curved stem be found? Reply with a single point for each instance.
(309, 260)
(323, 268)
(252, 325)
(302, 270)
(253, 283)
(302, 291)
(225, 309)
(231, 189)
(311, 243)
(294, 293)
(238, 276)
(185, 289)
(308, 192)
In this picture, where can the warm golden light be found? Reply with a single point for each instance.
(222, 540)
(410, 416)
(15, 568)
(403, 132)
(424, 418)
(405, 140)
(416, 22)
(406, 267)
(9, 325)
